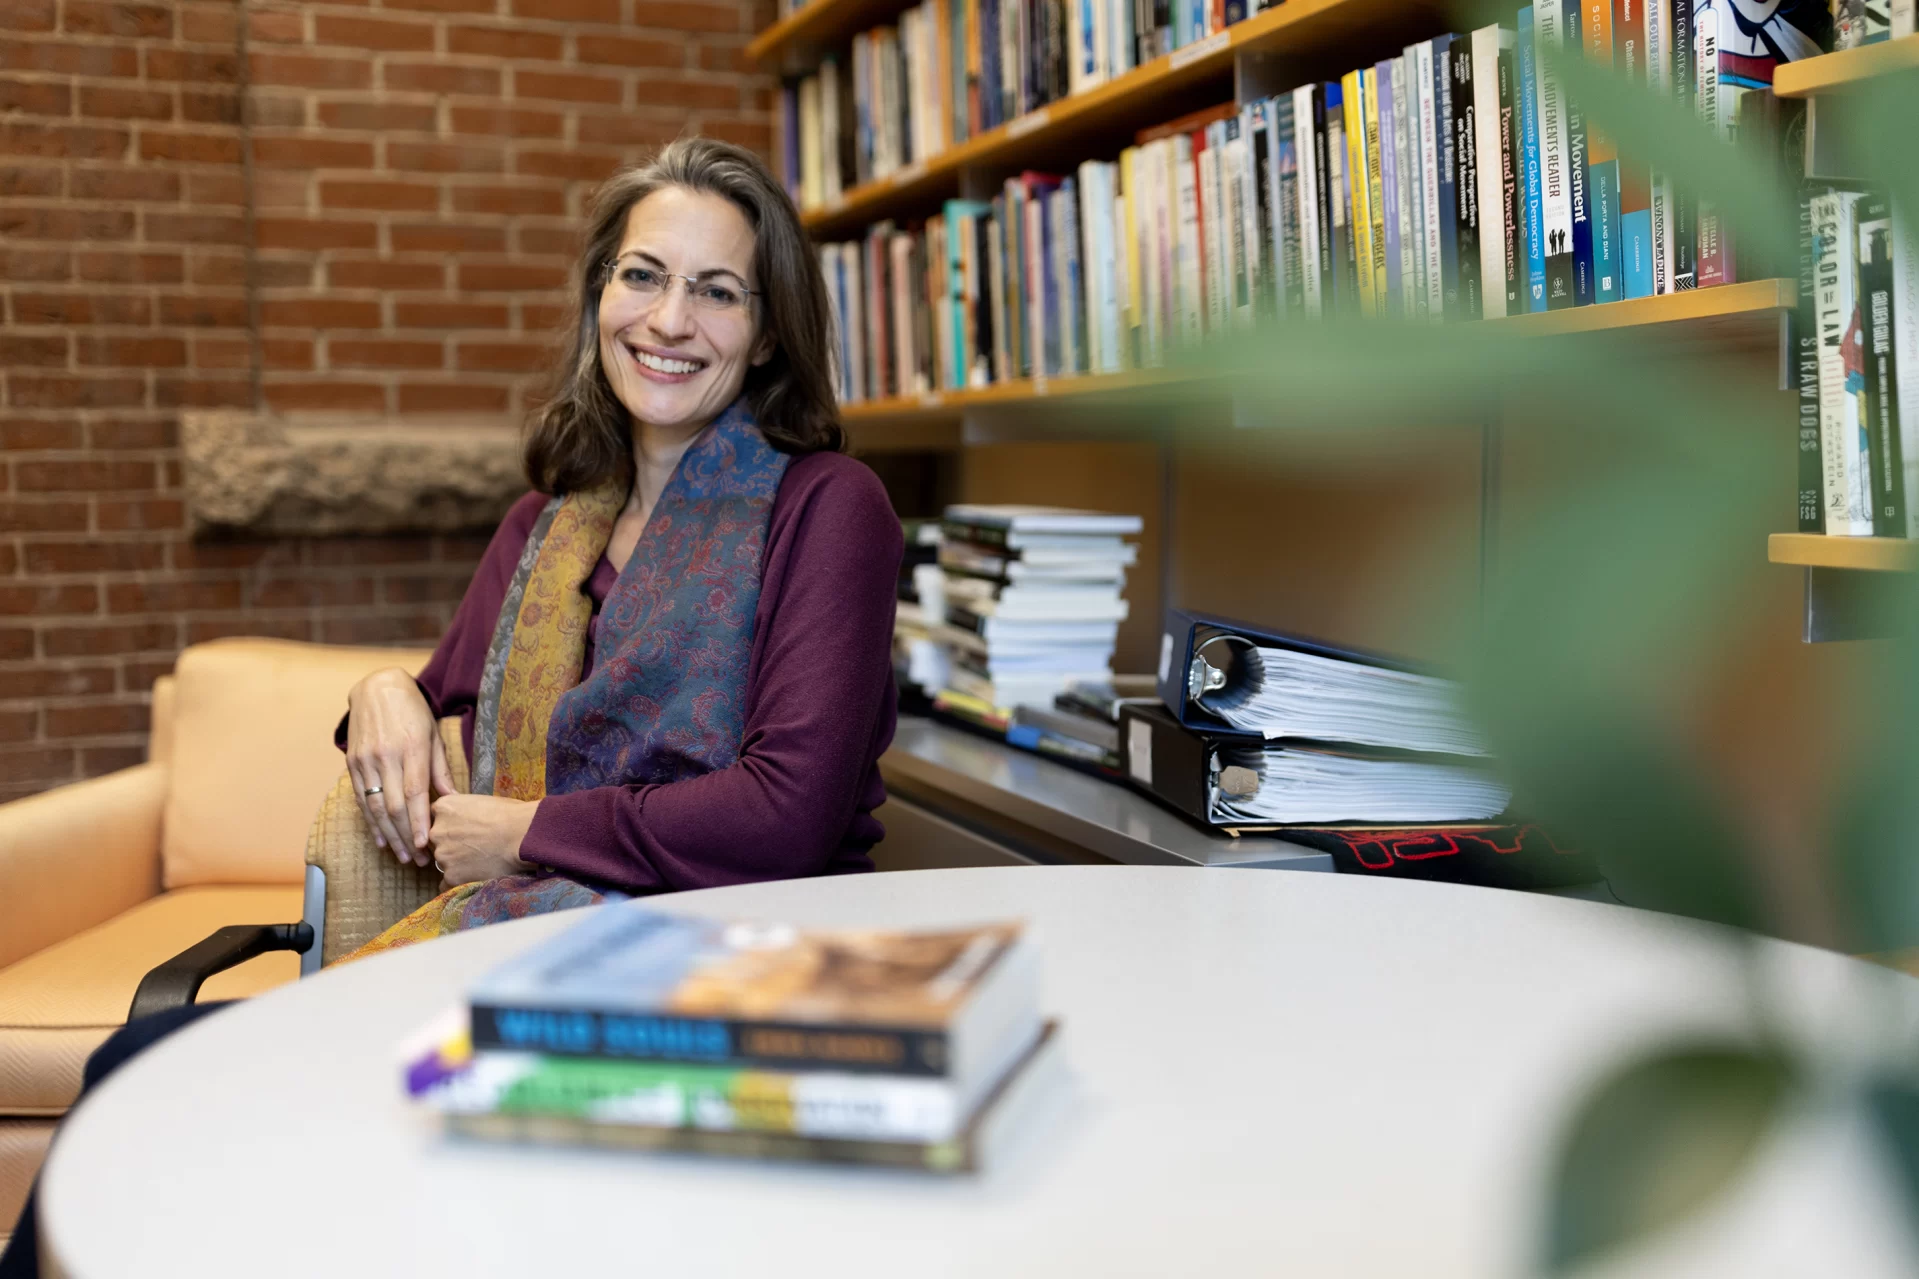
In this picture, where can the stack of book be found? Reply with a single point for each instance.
(641, 1029)
(1455, 181)
(1033, 598)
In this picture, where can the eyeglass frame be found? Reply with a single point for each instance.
(607, 268)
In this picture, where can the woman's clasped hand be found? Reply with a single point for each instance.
(398, 763)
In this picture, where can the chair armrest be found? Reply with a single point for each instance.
(77, 856)
(177, 982)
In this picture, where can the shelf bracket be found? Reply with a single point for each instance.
(1846, 604)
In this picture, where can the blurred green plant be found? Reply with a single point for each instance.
(1646, 567)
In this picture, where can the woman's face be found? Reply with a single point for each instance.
(675, 353)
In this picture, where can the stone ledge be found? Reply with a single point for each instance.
(250, 474)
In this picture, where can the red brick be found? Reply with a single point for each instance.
(202, 392)
(506, 357)
(498, 277)
(544, 317)
(579, 166)
(305, 71)
(24, 391)
(115, 18)
(624, 129)
(286, 353)
(451, 397)
(278, 110)
(439, 589)
(754, 137)
(103, 639)
(147, 513)
(197, 68)
(287, 397)
(228, 188)
(624, 51)
(31, 516)
(96, 760)
(21, 434)
(716, 56)
(442, 238)
(54, 681)
(604, 11)
(513, 122)
(201, 312)
(26, 15)
(292, 628)
(193, 556)
(439, 77)
(383, 273)
(414, 197)
(312, 153)
(131, 352)
(569, 86)
(548, 241)
(281, 26)
(444, 157)
(505, 42)
(658, 91)
(226, 268)
(61, 58)
(39, 266)
(193, 228)
(211, 24)
(385, 353)
(20, 725)
(45, 352)
(92, 557)
(63, 141)
(449, 314)
(173, 597)
(152, 185)
(442, 6)
(50, 600)
(47, 764)
(89, 476)
(541, 201)
(373, 33)
(685, 15)
(312, 592)
(382, 116)
(79, 308)
(189, 148)
(363, 629)
(210, 108)
(319, 313)
(314, 233)
(133, 433)
(36, 97)
(357, 552)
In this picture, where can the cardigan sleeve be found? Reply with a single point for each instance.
(822, 682)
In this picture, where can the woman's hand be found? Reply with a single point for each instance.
(393, 748)
(477, 837)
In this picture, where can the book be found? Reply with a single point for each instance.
(1555, 186)
(1879, 396)
(1905, 340)
(1529, 101)
(1509, 165)
(1659, 41)
(1002, 525)
(1388, 134)
(1844, 448)
(1466, 183)
(1602, 166)
(629, 983)
(1635, 178)
(1804, 373)
(1578, 182)
(1487, 44)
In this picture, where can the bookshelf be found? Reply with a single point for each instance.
(1868, 554)
(1836, 71)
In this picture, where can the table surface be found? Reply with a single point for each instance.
(1266, 1074)
(1101, 816)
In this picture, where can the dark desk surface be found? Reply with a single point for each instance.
(929, 760)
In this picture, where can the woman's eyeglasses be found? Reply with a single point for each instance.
(711, 292)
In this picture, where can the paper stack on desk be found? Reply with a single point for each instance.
(642, 1029)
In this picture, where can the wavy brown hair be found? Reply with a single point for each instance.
(582, 437)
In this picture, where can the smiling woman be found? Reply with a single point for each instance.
(672, 666)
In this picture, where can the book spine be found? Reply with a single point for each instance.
(1556, 222)
(1713, 104)
(1187, 241)
(1635, 181)
(1407, 204)
(1578, 181)
(1358, 223)
(1487, 43)
(1381, 132)
(1434, 143)
(1685, 205)
(1905, 355)
(1343, 297)
(590, 1033)
(1841, 440)
(1879, 395)
(1309, 154)
(1805, 375)
(1510, 160)
(1465, 97)
(1375, 187)
(1248, 254)
(1446, 178)
(1602, 164)
(1529, 96)
(1291, 170)
(1659, 39)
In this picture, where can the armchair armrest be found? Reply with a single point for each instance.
(177, 982)
(77, 856)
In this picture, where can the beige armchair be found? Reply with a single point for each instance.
(105, 879)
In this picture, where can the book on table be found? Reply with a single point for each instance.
(640, 1028)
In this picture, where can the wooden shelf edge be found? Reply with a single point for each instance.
(1867, 554)
(1833, 71)
(1024, 391)
(1753, 297)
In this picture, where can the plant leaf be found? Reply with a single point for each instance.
(1655, 1143)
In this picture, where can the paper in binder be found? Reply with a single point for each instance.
(1220, 675)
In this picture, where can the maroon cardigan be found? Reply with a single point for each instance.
(820, 705)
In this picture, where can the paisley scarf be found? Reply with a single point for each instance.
(666, 698)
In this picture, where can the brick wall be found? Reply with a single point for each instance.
(335, 208)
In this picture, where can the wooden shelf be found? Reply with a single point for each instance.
(1870, 554)
(1833, 71)
(794, 43)
(1735, 303)
(1143, 96)
(949, 405)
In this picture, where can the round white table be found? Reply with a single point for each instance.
(1269, 1074)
